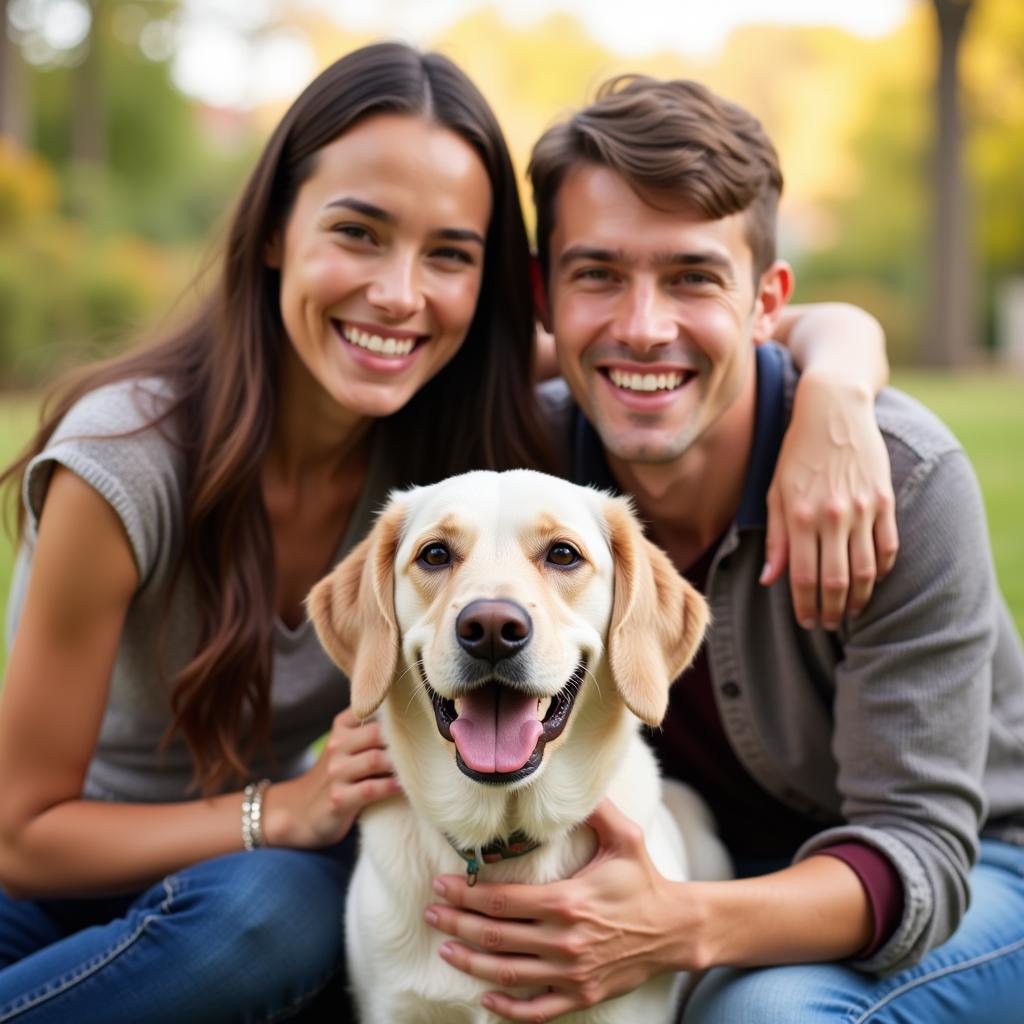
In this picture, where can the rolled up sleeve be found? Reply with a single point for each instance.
(912, 702)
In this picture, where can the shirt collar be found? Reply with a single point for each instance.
(590, 466)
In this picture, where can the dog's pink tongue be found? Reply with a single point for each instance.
(497, 729)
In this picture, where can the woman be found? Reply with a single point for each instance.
(372, 328)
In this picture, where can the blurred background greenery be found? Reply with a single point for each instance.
(126, 127)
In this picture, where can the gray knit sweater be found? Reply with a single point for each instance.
(141, 476)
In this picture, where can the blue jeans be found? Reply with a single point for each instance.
(245, 937)
(976, 977)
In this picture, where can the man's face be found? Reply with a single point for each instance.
(654, 312)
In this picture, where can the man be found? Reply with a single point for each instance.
(852, 769)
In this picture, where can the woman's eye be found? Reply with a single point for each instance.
(354, 231)
(455, 255)
(434, 555)
(563, 555)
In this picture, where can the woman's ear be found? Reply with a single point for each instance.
(353, 612)
(658, 619)
(272, 251)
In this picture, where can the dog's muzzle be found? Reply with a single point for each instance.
(498, 732)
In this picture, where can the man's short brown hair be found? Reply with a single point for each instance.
(666, 137)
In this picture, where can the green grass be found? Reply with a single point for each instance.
(984, 410)
(17, 421)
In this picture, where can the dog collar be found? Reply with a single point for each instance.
(514, 845)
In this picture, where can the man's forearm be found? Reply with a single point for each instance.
(814, 911)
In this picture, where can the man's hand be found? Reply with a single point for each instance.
(831, 512)
(603, 932)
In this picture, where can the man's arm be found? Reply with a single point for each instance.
(910, 738)
(618, 922)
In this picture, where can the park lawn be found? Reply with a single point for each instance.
(984, 410)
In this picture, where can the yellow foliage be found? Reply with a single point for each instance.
(28, 186)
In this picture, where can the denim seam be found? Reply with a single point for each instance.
(994, 954)
(90, 969)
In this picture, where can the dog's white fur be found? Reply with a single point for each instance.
(389, 622)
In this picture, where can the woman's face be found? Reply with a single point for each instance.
(381, 259)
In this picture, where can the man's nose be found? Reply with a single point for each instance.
(644, 318)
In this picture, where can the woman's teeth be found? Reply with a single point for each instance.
(378, 345)
(645, 381)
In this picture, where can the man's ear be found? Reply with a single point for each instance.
(353, 612)
(774, 290)
(541, 305)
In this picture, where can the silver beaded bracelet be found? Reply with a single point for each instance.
(252, 814)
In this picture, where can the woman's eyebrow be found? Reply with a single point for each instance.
(461, 235)
(363, 207)
(385, 216)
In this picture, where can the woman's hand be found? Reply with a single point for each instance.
(603, 932)
(319, 808)
(831, 512)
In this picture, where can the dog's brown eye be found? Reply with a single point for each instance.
(434, 555)
(563, 555)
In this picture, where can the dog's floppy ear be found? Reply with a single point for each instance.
(658, 619)
(353, 611)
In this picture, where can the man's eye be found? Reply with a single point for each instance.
(563, 555)
(434, 555)
(696, 277)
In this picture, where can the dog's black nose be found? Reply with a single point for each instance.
(492, 630)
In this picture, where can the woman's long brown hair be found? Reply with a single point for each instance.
(223, 371)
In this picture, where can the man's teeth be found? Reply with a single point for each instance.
(375, 343)
(645, 381)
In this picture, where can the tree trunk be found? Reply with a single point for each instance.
(88, 124)
(14, 118)
(952, 327)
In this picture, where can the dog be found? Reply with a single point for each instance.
(512, 631)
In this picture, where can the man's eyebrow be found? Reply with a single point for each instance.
(711, 259)
(597, 254)
(379, 213)
(591, 252)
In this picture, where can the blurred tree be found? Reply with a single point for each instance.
(13, 95)
(88, 110)
(952, 323)
(881, 242)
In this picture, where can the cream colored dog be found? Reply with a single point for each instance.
(513, 630)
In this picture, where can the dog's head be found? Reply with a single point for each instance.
(504, 614)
